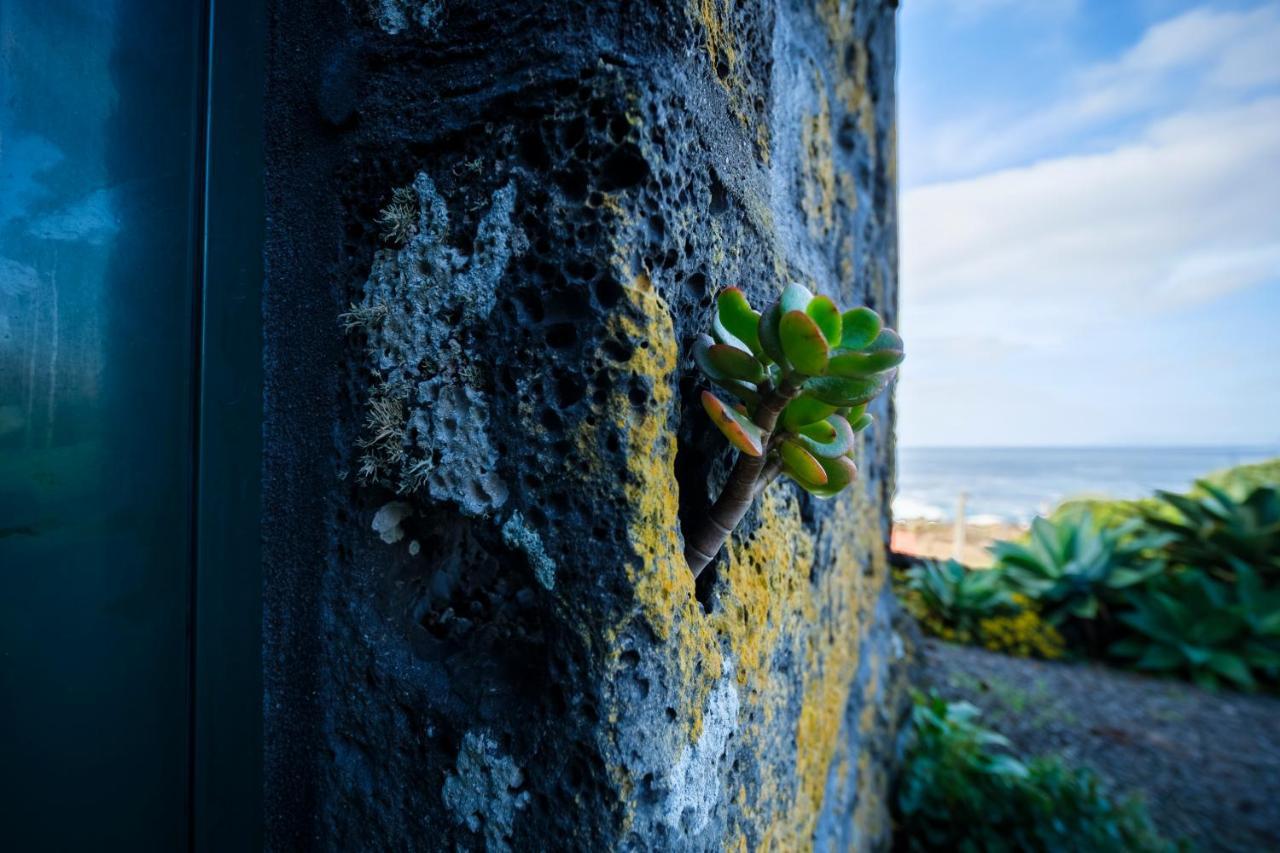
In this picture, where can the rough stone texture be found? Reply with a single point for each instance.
(495, 231)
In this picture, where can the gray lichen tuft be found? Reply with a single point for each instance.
(483, 793)
(399, 219)
(521, 537)
(424, 311)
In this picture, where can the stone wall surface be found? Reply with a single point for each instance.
(495, 230)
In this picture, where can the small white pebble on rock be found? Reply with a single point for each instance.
(386, 521)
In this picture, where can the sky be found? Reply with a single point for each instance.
(1090, 212)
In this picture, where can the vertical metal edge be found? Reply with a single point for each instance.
(227, 735)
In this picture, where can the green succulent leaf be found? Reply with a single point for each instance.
(827, 317)
(888, 339)
(847, 390)
(804, 410)
(803, 342)
(800, 465)
(744, 391)
(739, 319)
(737, 428)
(850, 363)
(829, 439)
(768, 332)
(735, 363)
(795, 297)
(840, 473)
(858, 328)
(861, 422)
(702, 355)
(724, 336)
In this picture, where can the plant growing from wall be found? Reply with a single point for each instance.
(802, 373)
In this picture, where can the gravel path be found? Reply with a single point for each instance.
(1208, 764)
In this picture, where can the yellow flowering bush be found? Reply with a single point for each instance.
(1019, 630)
(1023, 633)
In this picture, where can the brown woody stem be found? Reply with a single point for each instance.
(704, 542)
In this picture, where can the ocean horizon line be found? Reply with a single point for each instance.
(1265, 447)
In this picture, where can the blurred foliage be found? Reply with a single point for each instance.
(1189, 623)
(1186, 585)
(1072, 567)
(964, 605)
(961, 788)
(1237, 482)
(1216, 533)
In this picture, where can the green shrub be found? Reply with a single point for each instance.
(961, 789)
(959, 597)
(1072, 568)
(1219, 534)
(1238, 482)
(1189, 623)
(963, 605)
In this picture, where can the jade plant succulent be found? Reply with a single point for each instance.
(800, 376)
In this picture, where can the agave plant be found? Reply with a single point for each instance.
(1219, 534)
(1071, 567)
(801, 375)
(958, 596)
(1190, 623)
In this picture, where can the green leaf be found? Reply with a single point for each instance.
(835, 440)
(840, 473)
(741, 321)
(858, 328)
(827, 317)
(848, 363)
(862, 422)
(800, 464)
(1157, 658)
(804, 410)
(1232, 667)
(744, 391)
(795, 297)
(847, 390)
(888, 339)
(741, 432)
(803, 342)
(770, 340)
(735, 363)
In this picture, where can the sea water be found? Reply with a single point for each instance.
(1016, 484)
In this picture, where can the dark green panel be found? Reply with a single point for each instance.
(228, 662)
(100, 201)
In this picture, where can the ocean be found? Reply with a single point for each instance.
(1016, 484)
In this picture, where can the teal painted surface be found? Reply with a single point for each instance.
(100, 146)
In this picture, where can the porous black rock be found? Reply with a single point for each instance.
(494, 231)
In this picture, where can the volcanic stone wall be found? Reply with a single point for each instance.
(495, 230)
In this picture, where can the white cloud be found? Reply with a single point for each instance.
(1137, 227)
(1064, 300)
(1203, 56)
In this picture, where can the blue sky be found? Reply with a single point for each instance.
(1090, 206)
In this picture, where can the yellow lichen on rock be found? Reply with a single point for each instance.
(660, 577)
(818, 166)
(770, 610)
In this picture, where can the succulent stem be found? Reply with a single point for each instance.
(703, 543)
